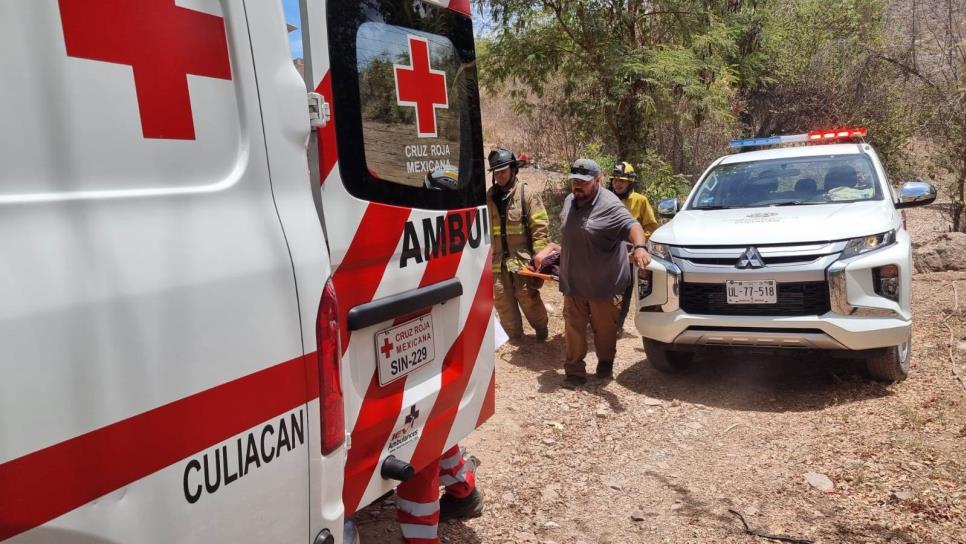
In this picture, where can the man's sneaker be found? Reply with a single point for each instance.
(470, 506)
(605, 369)
(542, 334)
(573, 381)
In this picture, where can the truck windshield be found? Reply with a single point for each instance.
(788, 182)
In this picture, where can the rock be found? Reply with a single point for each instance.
(549, 441)
(551, 525)
(675, 403)
(677, 506)
(819, 481)
(637, 516)
(601, 412)
(648, 401)
(961, 346)
(904, 495)
(945, 252)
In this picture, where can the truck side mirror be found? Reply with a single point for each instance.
(668, 207)
(916, 193)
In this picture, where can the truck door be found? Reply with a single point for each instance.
(410, 257)
(151, 359)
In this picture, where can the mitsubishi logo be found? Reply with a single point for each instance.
(750, 259)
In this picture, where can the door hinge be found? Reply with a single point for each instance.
(319, 112)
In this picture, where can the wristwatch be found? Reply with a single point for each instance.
(640, 246)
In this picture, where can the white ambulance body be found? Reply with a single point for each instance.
(216, 321)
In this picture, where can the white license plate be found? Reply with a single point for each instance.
(404, 348)
(752, 292)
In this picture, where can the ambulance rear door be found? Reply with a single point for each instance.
(153, 381)
(411, 262)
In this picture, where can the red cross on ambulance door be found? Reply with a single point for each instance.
(420, 86)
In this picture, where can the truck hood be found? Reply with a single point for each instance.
(778, 225)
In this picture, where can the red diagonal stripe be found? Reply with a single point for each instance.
(366, 259)
(489, 401)
(328, 148)
(381, 405)
(48, 483)
(462, 6)
(457, 369)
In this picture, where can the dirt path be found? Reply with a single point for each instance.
(655, 458)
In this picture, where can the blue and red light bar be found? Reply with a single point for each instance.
(815, 136)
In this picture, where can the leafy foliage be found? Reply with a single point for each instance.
(665, 83)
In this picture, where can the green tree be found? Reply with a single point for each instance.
(625, 66)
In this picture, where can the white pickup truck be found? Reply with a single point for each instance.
(799, 247)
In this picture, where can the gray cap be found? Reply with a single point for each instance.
(584, 170)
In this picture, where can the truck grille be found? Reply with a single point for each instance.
(806, 298)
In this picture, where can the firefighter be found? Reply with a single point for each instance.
(622, 181)
(520, 228)
(419, 507)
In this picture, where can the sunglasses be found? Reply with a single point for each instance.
(580, 170)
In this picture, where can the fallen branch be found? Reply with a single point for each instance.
(734, 426)
(762, 534)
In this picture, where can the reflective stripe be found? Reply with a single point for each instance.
(411, 530)
(540, 215)
(417, 508)
(458, 478)
(451, 461)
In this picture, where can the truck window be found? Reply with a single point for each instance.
(406, 103)
(792, 181)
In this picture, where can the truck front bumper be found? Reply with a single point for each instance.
(856, 318)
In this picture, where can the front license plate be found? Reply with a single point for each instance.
(404, 348)
(752, 292)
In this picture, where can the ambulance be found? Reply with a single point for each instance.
(232, 309)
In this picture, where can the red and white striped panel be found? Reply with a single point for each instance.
(461, 6)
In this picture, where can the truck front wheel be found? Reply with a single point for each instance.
(892, 364)
(666, 360)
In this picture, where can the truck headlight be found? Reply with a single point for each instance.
(659, 250)
(865, 244)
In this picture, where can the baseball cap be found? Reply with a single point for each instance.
(584, 170)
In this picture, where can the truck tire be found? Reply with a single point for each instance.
(666, 360)
(892, 364)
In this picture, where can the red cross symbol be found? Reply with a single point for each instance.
(421, 87)
(386, 348)
(162, 43)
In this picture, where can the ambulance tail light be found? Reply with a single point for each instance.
(330, 384)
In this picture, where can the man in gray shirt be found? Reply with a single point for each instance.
(593, 268)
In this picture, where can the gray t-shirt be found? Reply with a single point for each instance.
(593, 255)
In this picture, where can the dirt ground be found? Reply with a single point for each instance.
(648, 457)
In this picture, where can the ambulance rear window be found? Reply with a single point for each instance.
(406, 103)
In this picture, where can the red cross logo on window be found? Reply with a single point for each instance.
(386, 348)
(161, 42)
(421, 87)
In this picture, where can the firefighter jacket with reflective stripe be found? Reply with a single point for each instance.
(516, 233)
(641, 210)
